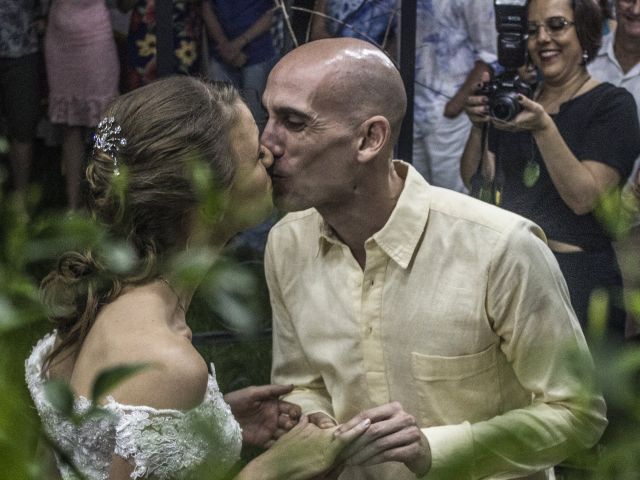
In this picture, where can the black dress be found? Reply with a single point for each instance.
(600, 125)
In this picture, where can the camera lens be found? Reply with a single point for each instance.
(502, 111)
(504, 107)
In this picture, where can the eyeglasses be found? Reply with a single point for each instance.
(554, 26)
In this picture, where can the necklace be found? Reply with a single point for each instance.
(574, 92)
(179, 301)
(582, 84)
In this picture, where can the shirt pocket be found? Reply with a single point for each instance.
(458, 388)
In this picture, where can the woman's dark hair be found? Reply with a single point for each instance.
(605, 9)
(167, 125)
(588, 17)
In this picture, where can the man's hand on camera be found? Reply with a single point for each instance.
(476, 105)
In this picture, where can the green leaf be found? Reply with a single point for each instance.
(531, 174)
(9, 317)
(60, 396)
(119, 257)
(235, 313)
(634, 303)
(4, 145)
(111, 377)
(611, 213)
(190, 267)
(597, 314)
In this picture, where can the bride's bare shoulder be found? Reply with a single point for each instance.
(175, 375)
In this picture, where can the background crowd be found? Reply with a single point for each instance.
(62, 62)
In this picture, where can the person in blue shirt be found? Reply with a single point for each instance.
(241, 47)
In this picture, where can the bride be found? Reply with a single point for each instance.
(151, 137)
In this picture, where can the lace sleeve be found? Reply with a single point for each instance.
(168, 444)
(165, 444)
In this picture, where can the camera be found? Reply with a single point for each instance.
(503, 90)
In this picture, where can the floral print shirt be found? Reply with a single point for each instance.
(364, 19)
(141, 42)
(451, 35)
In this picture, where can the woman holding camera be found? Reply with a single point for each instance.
(572, 143)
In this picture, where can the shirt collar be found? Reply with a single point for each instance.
(607, 48)
(401, 234)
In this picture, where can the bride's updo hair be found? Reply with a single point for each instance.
(166, 125)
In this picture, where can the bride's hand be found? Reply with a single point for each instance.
(304, 452)
(262, 415)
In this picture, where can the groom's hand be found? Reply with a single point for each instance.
(393, 436)
(321, 420)
(262, 415)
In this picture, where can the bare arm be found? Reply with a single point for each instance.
(471, 156)
(319, 22)
(212, 24)
(231, 49)
(230, 52)
(262, 25)
(579, 183)
(477, 111)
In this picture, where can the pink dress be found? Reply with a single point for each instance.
(82, 62)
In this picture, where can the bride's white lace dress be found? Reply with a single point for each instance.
(159, 443)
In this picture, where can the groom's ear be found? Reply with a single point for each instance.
(374, 134)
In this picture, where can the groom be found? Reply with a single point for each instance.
(444, 320)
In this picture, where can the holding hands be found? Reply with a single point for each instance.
(393, 436)
(262, 415)
(231, 52)
(305, 452)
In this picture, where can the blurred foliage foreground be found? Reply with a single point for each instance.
(235, 296)
(231, 298)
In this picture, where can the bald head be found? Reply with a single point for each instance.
(352, 77)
